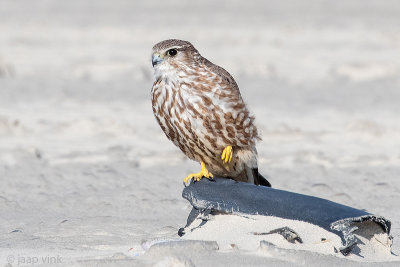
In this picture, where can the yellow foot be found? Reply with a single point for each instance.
(197, 176)
(227, 154)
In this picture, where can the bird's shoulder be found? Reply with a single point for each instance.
(224, 75)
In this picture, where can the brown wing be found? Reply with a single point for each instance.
(239, 123)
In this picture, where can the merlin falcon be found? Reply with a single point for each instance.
(200, 109)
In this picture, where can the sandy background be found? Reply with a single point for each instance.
(87, 174)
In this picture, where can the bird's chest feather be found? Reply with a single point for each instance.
(180, 116)
(169, 109)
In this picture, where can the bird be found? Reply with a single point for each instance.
(200, 109)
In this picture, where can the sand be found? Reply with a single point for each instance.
(87, 174)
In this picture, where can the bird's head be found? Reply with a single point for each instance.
(171, 55)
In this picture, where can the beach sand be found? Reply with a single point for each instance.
(87, 176)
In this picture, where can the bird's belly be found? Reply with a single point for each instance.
(180, 130)
(195, 139)
(208, 149)
(198, 144)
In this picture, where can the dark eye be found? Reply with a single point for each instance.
(172, 52)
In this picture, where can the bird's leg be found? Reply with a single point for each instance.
(227, 154)
(197, 176)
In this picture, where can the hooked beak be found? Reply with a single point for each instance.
(156, 59)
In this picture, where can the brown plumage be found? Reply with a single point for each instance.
(199, 107)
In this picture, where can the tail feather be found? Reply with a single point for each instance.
(259, 179)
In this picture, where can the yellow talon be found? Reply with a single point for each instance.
(227, 154)
(197, 176)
